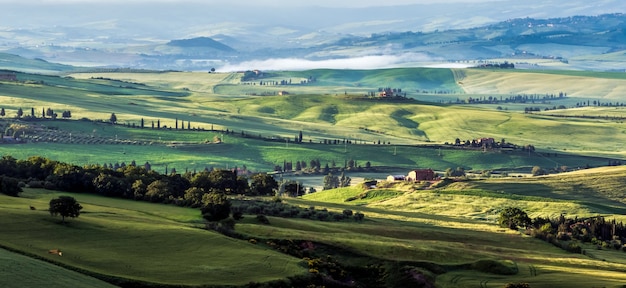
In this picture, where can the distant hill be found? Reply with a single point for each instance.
(523, 38)
(571, 43)
(201, 42)
(18, 63)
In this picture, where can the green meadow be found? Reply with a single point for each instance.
(138, 241)
(236, 124)
(452, 228)
(37, 273)
(321, 110)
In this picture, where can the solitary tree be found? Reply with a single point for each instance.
(513, 217)
(2, 112)
(537, 171)
(66, 206)
(113, 118)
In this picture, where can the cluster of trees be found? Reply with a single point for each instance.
(520, 98)
(564, 232)
(490, 143)
(207, 189)
(255, 75)
(278, 208)
(458, 172)
(314, 166)
(331, 181)
(505, 65)
(599, 103)
(537, 109)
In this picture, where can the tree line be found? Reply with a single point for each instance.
(315, 166)
(45, 113)
(131, 181)
(566, 233)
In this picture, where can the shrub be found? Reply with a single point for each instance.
(9, 186)
(35, 184)
(262, 219)
(237, 215)
(517, 285)
(495, 267)
(358, 216)
(574, 248)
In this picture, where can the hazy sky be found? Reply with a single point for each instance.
(294, 3)
(171, 19)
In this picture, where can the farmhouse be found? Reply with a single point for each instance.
(9, 140)
(7, 76)
(421, 175)
(486, 142)
(393, 178)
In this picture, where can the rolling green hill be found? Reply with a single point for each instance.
(36, 273)
(449, 230)
(330, 108)
(121, 240)
(17, 63)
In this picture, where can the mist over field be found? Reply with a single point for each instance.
(295, 64)
(137, 33)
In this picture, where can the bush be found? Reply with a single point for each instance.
(358, 216)
(517, 285)
(495, 267)
(35, 184)
(9, 186)
(574, 248)
(237, 215)
(262, 219)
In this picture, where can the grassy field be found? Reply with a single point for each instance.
(186, 150)
(452, 227)
(456, 225)
(37, 273)
(608, 86)
(139, 241)
(449, 226)
(321, 110)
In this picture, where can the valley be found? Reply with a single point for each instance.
(132, 147)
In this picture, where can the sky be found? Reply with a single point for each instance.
(293, 3)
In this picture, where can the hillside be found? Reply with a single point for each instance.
(338, 105)
(201, 42)
(16, 63)
(446, 234)
(124, 241)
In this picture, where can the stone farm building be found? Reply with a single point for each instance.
(421, 175)
(7, 76)
(393, 178)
